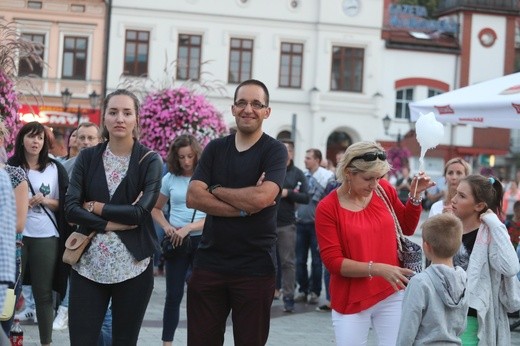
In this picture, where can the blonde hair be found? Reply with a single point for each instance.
(443, 232)
(358, 149)
(464, 163)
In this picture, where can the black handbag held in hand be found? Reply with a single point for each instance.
(170, 251)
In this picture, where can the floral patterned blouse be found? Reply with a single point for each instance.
(107, 260)
(17, 175)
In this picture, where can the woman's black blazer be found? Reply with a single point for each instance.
(88, 183)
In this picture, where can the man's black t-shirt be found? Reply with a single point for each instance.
(240, 245)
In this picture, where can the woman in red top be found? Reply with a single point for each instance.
(358, 245)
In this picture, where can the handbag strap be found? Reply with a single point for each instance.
(193, 216)
(145, 155)
(43, 207)
(398, 231)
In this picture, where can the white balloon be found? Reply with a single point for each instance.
(429, 133)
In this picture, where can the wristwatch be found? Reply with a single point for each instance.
(213, 187)
(90, 207)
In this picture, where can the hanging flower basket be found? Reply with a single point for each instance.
(168, 113)
(9, 110)
(398, 157)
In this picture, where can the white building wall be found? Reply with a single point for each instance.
(487, 62)
(318, 25)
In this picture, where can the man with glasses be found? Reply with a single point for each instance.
(87, 136)
(237, 183)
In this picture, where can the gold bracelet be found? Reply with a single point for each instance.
(370, 269)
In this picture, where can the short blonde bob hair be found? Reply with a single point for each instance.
(359, 165)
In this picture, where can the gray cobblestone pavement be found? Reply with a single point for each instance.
(303, 327)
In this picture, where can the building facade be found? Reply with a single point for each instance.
(71, 36)
(335, 68)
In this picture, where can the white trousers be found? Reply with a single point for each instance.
(384, 318)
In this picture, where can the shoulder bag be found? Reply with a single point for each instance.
(75, 245)
(170, 251)
(9, 302)
(409, 253)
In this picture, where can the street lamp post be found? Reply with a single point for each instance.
(66, 96)
(386, 125)
(94, 99)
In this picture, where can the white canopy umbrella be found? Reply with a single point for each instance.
(493, 103)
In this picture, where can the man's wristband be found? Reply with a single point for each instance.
(213, 187)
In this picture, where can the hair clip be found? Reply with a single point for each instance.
(491, 180)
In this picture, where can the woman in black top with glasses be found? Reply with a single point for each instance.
(358, 245)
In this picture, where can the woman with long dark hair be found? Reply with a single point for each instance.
(45, 230)
(113, 189)
(182, 222)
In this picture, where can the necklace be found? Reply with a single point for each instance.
(362, 206)
(347, 197)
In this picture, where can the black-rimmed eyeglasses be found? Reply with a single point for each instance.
(257, 105)
(381, 155)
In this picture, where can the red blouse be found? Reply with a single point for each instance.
(366, 235)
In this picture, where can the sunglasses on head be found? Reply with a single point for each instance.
(381, 155)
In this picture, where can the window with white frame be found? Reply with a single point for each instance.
(403, 98)
(188, 57)
(136, 53)
(26, 65)
(75, 57)
(291, 63)
(347, 69)
(434, 92)
(240, 60)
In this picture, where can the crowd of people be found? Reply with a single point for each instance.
(251, 218)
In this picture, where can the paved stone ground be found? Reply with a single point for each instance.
(303, 327)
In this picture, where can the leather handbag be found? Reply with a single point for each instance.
(75, 245)
(170, 251)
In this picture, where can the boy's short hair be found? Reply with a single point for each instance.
(516, 205)
(443, 233)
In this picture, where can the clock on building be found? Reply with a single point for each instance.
(351, 7)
